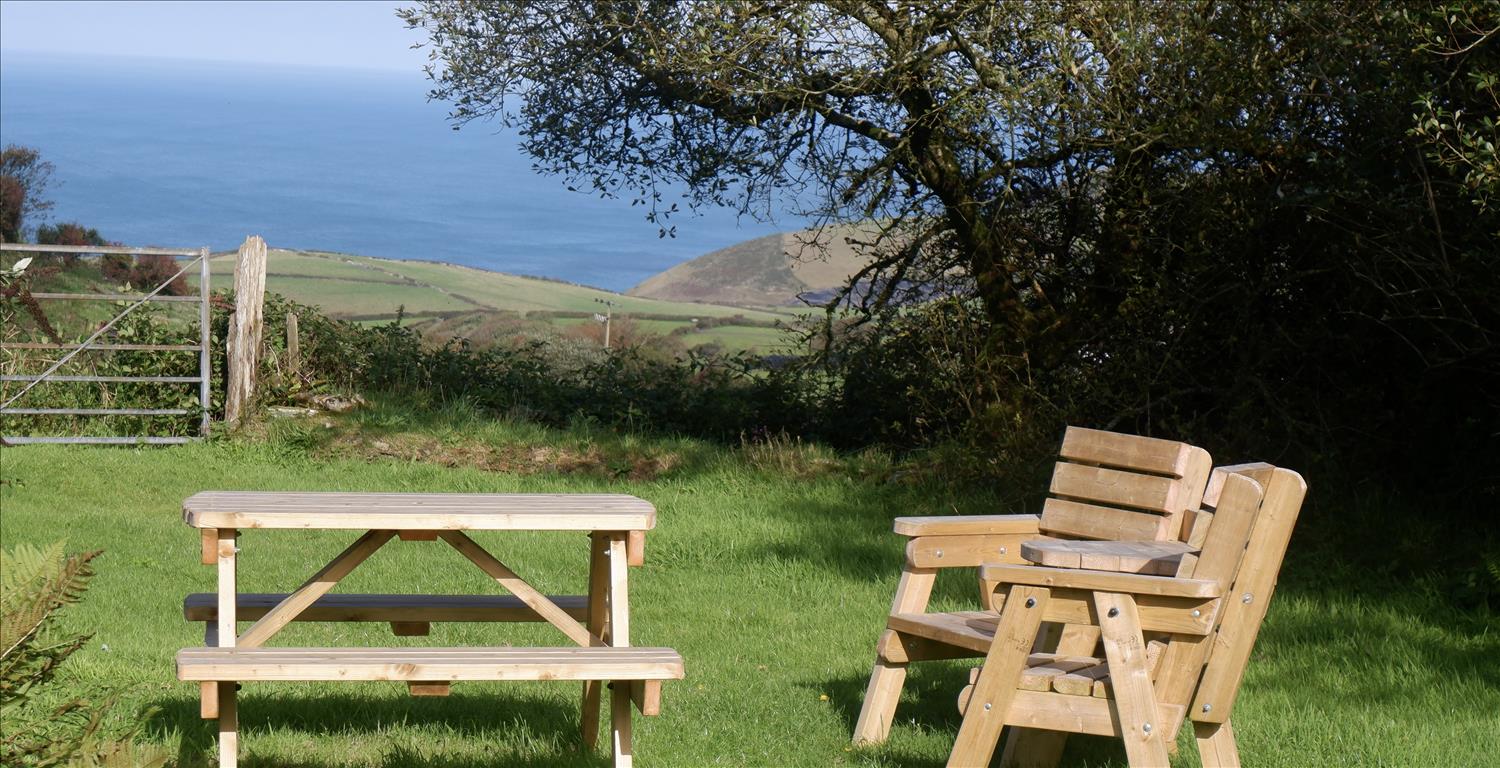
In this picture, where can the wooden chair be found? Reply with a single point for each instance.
(1156, 671)
(1107, 486)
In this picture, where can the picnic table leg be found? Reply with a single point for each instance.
(619, 723)
(221, 552)
(229, 722)
(619, 637)
(598, 623)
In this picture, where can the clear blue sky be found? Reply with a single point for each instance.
(363, 35)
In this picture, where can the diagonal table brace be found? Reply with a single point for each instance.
(508, 579)
(315, 587)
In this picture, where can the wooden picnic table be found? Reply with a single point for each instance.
(597, 624)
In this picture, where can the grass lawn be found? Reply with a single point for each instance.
(772, 586)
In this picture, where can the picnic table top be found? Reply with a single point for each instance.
(420, 511)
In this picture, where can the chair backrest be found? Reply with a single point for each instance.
(1243, 542)
(1124, 487)
(1253, 579)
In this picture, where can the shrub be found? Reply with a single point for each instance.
(152, 270)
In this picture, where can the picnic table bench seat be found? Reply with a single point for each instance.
(430, 671)
(429, 664)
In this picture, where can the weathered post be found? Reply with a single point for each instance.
(245, 329)
(293, 348)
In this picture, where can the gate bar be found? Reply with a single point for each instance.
(113, 297)
(125, 249)
(93, 411)
(102, 347)
(100, 440)
(113, 379)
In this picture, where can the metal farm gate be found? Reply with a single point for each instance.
(199, 258)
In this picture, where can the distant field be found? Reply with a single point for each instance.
(370, 290)
(370, 286)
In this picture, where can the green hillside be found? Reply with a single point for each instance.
(774, 270)
(445, 301)
(365, 287)
(369, 289)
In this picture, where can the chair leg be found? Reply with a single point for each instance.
(879, 707)
(1216, 747)
(996, 687)
(886, 679)
(1141, 726)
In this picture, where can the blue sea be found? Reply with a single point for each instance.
(186, 154)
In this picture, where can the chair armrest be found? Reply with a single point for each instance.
(967, 525)
(1100, 581)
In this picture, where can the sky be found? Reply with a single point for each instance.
(359, 35)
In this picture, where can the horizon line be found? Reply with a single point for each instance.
(416, 70)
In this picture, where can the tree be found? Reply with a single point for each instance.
(70, 233)
(24, 177)
(1174, 216)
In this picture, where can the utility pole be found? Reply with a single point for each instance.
(609, 311)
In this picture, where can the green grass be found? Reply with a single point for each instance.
(772, 586)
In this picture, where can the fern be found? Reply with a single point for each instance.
(35, 583)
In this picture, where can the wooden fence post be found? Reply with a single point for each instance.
(293, 348)
(245, 328)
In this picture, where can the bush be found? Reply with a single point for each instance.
(152, 270)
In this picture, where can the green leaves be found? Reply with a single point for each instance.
(34, 584)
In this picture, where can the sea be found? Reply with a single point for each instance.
(176, 153)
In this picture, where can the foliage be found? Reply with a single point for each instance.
(334, 355)
(1264, 227)
(67, 233)
(1458, 120)
(115, 267)
(34, 585)
(24, 178)
(151, 270)
(628, 388)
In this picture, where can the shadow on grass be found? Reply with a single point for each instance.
(929, 702)
(1382, 647)
(324, 718)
